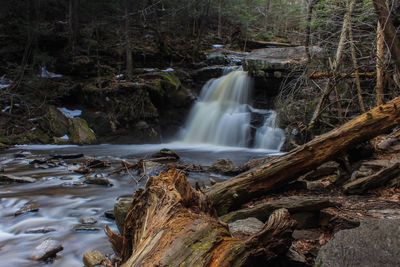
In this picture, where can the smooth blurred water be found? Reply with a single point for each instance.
(63, 198)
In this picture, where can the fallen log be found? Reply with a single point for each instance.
(229, 195)
(171, 224)
(363, 184)
(293, 204)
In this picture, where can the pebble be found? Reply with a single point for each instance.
(88, 220)
(8, 178)
(86, 228)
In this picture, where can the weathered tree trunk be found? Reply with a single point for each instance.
(229, 195)
(171, 224)
(335, 64)
(380, 62)
(386, 21)
(73, 22)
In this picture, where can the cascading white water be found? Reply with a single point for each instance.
(269, 136)
(222, 116)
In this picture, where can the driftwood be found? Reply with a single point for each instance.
(363, 184)
(293, 204)
(229, 195)
(171, 224)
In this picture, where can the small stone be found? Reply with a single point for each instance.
(165, 152)
(22, 154)
(47, 249)
(28, 207)
(93, 258)
(88, 220)
(41, 230)
(246, 227)
(86, 228)
(109, 214)
(98, 181)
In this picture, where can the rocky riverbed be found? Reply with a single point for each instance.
(56, 200)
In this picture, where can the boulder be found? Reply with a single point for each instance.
(166, 153)
(274, 62)
(374, 243)
(56, 121)
(121, 209)
(224, 166)
(81, 133)
(246, 227)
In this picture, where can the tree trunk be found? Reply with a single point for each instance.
(171, 224)
(268, 5)
(128, 49)
(335, 64)
(310, 8)
(356, 68)
(229, 195)
(73, 22)
(380, 63)
(389, 30)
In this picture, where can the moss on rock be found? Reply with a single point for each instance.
(80, 132)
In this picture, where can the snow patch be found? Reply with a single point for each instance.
(70, 113)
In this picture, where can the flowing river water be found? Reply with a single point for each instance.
(64, 199)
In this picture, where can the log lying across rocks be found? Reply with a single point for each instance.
(171, 224)
(361, 185)
(229, 195)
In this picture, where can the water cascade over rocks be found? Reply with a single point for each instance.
(222, 116)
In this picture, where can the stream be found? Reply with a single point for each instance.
(64, 200)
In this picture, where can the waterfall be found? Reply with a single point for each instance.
(222, 116)
(269, 136)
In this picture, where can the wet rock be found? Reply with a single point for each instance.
(121, 209)
(207, 73)
(224, 166)
(28, 207)
(166, 153)
(374, 243)
(47, 249)
(88, 220)
(22, 154)
(94, 258)
(40, 230)
(109, 214)
(98, 181)
(86, 228)
(8, 178)
(81, 133)
(246, 227)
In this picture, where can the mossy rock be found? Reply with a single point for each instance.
(170, 81)
(80, 133)
(56, 121)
